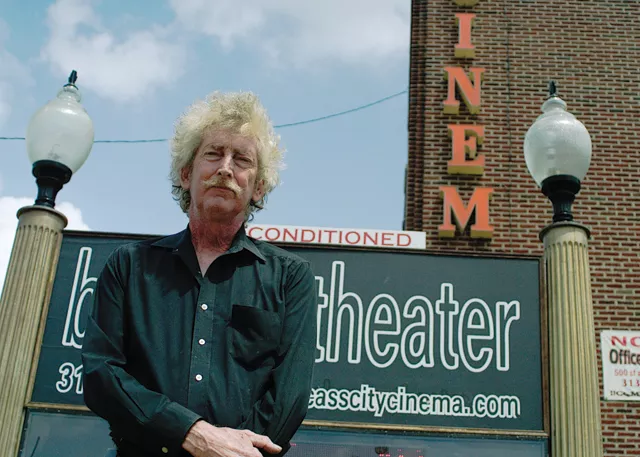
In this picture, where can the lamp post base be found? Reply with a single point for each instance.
(575, 396)
(23, 308)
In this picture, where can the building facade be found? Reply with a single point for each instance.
(590, 48)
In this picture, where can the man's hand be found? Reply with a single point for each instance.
(205, 440)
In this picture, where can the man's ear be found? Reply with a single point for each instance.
(185, 177)
(258, 192)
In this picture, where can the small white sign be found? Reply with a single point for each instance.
(342, 236)
(621, 364)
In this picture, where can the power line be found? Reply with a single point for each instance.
(156, 140)
(341, 113)
(280, 126)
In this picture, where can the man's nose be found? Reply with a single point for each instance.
(226, 166)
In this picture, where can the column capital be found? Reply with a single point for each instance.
(567, 228)
(38, 211)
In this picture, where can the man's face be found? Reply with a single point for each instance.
(222, 179)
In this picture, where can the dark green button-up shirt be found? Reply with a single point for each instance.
(166, 345)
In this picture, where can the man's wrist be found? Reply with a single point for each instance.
(194, 437)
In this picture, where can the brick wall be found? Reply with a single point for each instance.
(592, 49)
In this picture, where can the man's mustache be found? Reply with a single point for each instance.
(217, 181)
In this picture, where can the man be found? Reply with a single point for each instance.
(202, 343)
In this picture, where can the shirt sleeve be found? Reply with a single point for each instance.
(279, 413)
(148, 420)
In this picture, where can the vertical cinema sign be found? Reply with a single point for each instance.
(465, 139)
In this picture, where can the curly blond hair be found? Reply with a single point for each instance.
(240, 112)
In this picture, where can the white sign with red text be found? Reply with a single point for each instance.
(338, 236)
(621, 364)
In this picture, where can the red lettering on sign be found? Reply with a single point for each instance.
(454, 206)
(622, 342)
(252, 234)
(357, 239)
(368, 236)
(272, 237)
(406, 237)
(464, 48)
(468, 86)
(306, 239)
(465, 139)
(293, 236)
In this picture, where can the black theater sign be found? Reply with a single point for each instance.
(405, 339)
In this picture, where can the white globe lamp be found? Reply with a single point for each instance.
(557, 150)
(59, 139)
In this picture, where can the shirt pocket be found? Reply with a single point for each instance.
(255, 335)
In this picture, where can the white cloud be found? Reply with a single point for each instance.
(119, 69)
(14, 76)
(305, 32)
(9, 206)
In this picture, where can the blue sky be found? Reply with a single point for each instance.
(140, 64)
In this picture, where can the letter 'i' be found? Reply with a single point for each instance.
(464, 48)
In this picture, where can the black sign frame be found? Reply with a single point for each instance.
(544, 356)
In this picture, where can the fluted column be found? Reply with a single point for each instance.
(575, 397)
(23, 309)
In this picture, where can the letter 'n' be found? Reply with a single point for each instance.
(468, 87)
(454, 207)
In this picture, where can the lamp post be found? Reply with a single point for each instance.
(557, 150)
(59, 138)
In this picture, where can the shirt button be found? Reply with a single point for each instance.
(204, 306)
(165, 450)
(198, 377)
(201, 341)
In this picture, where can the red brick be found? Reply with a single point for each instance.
(587, 47)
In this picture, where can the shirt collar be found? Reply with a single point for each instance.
(242, 241)
(183, 239)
